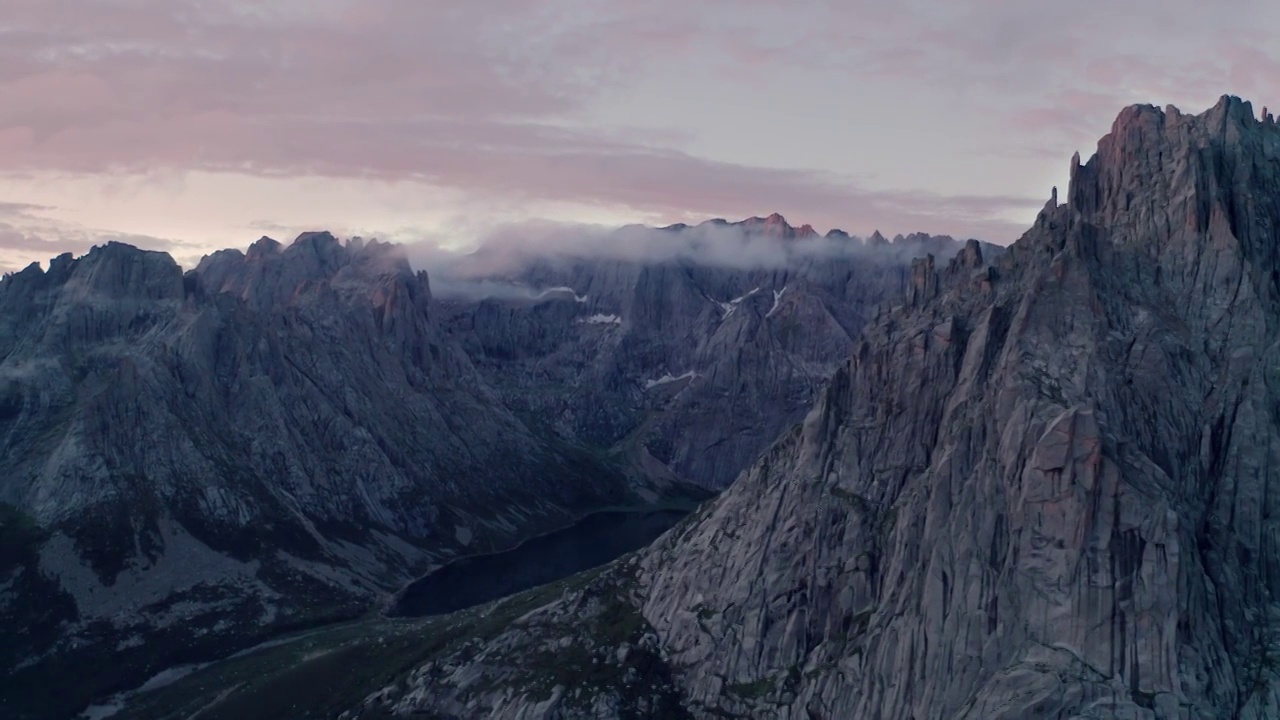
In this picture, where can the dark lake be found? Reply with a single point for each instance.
(593, 541)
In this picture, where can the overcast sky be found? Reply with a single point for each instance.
(190, 125)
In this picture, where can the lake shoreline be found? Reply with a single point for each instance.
(595, 539)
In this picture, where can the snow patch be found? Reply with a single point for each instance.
(101, 712)
(777, 298)
(669, 378)
(732, 305)
(562, 289)
(601, 320)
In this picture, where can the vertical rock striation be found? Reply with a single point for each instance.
(691, 367)
(1042, 487)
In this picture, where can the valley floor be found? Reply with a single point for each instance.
(327, 672)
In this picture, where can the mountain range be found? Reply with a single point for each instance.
(192, 462)
(686, 366)
(1038, 487)
(957, 481)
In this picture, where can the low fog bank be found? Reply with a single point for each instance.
(491, 268)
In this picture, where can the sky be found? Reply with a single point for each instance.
(192, 125)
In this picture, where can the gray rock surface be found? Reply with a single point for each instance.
(277, 438)
(1039, 488)
(693, 365)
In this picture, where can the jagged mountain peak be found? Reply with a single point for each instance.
(771, 219)
(1229, 109)
(271, 275)
(316, 238)
(775, 225)
(1039, 488)
(120, 270)
(1155, 157)
(1085, 423)
(325, 251)
(264, 246)
(112, 270)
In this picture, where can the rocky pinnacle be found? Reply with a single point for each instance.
(1044, 486)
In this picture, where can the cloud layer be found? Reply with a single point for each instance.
(27, 236)
(915, 115)
(494, 268)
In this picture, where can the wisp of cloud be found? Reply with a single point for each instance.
(492, 267)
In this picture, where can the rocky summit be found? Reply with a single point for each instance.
(1040, 487)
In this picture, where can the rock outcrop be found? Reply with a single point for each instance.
(1042, 487)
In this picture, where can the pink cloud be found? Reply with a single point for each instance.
(17, 239)
(1251, 67)
(479, 96)
(1036, 62)
(456, 95)
(28, 234)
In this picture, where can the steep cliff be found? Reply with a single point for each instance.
(274, 439)
(1042, 487)
(693, 364)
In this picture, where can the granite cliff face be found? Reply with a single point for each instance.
(1042, 487)
(274, 439)
(689, 366)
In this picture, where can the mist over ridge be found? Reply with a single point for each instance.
(489, 268)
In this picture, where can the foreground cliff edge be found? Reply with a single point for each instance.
(1042, 487)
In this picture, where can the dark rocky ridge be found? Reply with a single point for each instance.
(276, 438)
(1043, 487)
